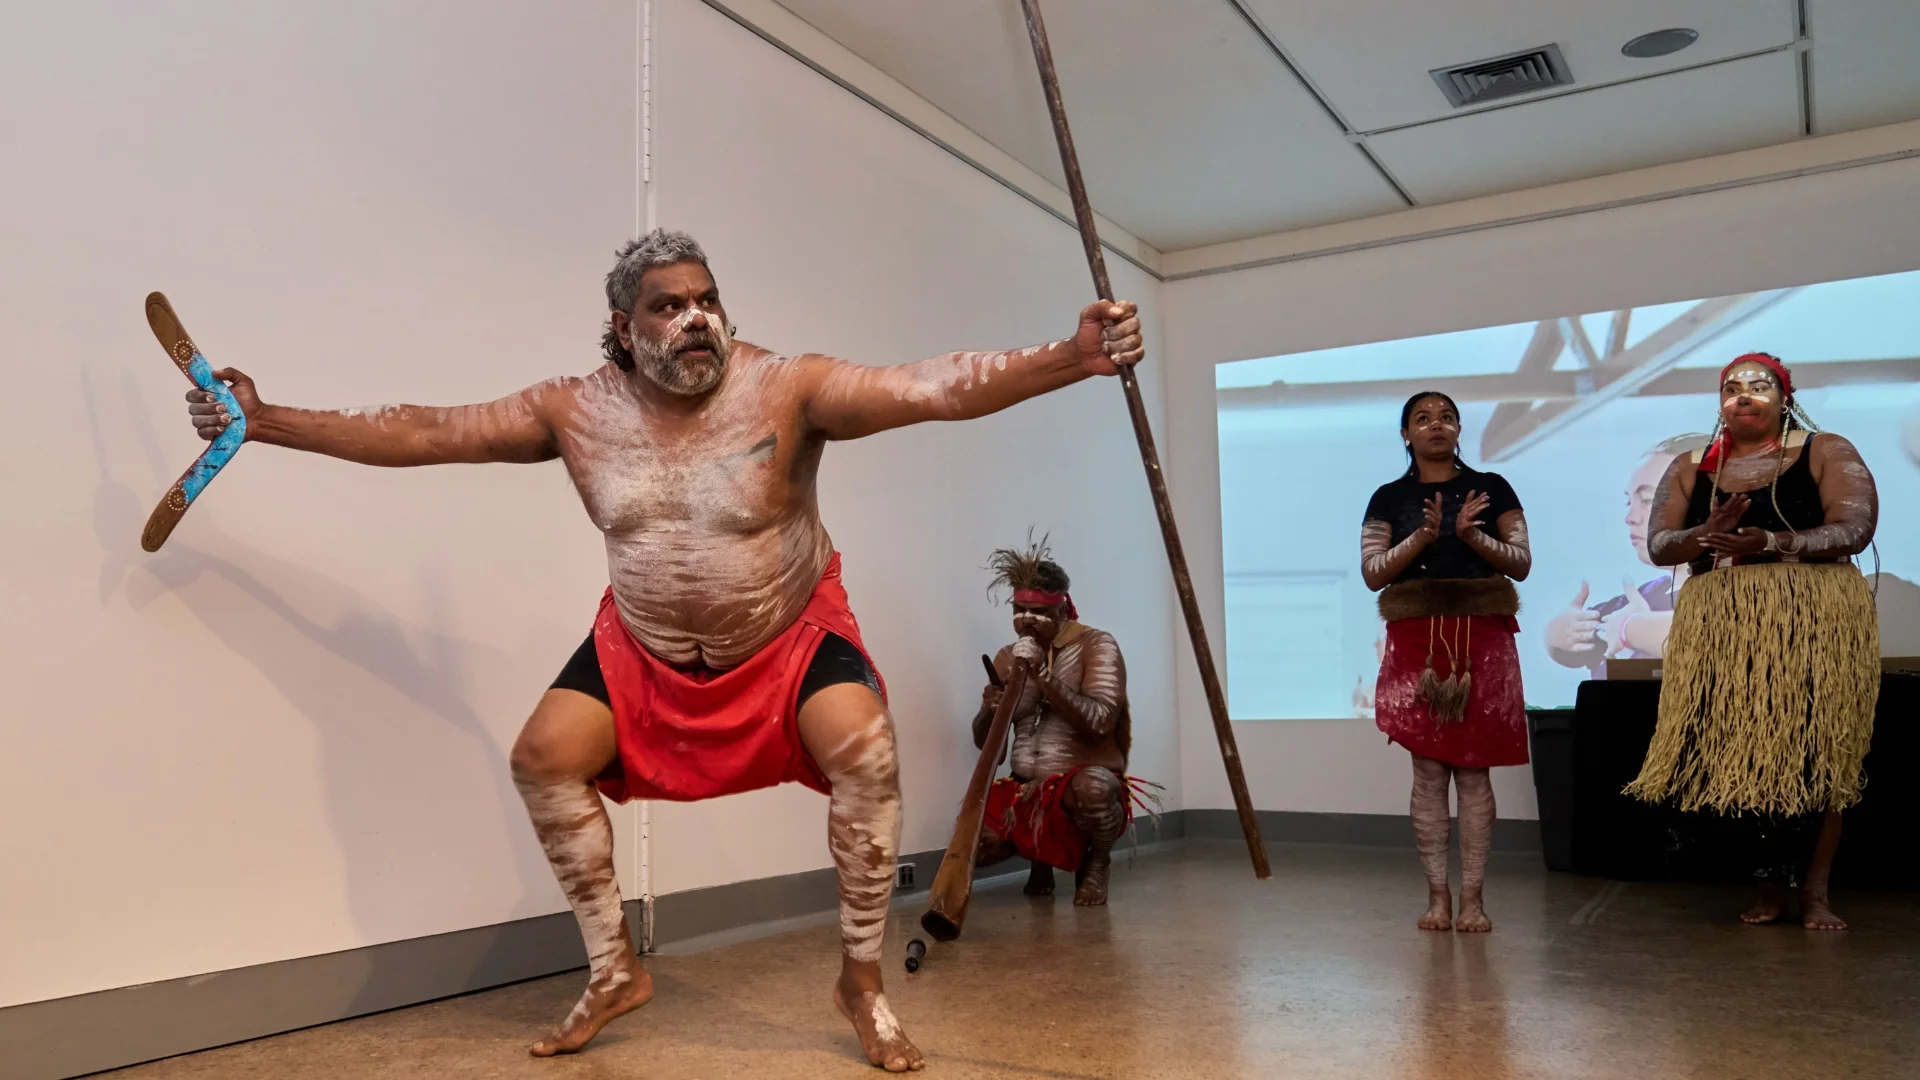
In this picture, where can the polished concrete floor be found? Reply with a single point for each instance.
(1197, 970)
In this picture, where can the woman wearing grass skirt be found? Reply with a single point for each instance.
(1772, 666)
(1443, 546)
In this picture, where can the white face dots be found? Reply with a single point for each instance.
(1431, 419)
(1753, 385)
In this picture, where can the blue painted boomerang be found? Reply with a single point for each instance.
(186, 356)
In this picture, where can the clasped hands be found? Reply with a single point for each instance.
(1464, 523)
(1718, 534)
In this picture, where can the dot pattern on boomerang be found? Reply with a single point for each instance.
(186, 356)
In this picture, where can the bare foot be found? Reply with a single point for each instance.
(1817, 915)
(626, 988)
(1439, 914)
(1767, 910)
(1039, 880)
(1473, 915)
(1092, 891)
(880, 1034)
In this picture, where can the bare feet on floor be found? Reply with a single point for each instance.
(887, 1046)
(1092, 890)
(1039, 880)
(1439, 914)
(1817, 914)
(626, 988)
(1473, 914)
(1767, 910)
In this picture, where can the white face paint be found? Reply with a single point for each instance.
(1433, 429)
(1750, 399)
(672, 362)
(1042, 624)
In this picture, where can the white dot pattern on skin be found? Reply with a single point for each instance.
(1046, 742)
(1847, 493)
(710, 552)
(863, 833)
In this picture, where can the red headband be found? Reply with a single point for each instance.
(1042, 598)
(1771, 363)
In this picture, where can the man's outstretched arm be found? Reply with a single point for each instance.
(849, 401)
(511, 429)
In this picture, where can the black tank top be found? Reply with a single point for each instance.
(1796, 492)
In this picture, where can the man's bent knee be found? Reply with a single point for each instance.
(568, 737)
(847, 730)
(1095, 785)
(1097, 801)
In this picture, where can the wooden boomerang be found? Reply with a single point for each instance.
(186, 356)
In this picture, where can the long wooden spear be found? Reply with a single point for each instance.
(1150, 457)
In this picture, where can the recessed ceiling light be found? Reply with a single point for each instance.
(1660, 43)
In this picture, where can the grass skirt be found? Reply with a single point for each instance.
(1772, 671)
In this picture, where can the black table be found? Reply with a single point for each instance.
(1582, 760)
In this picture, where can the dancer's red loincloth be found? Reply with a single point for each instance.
(1494, 730)
(694, 734)
(1039, 825)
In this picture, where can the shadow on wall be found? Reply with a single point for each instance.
(312, 661)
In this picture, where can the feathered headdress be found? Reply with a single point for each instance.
(1030, 575)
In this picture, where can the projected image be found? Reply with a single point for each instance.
(1582, 416)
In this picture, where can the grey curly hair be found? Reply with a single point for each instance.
(661, 247)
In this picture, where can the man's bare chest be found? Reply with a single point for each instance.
(740, 476)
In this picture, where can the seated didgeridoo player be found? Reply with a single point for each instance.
(1772, 668)
(723, 657)
(1069, 797)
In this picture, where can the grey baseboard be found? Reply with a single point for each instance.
(72, 1036)
(699, 913)
(1366, 830)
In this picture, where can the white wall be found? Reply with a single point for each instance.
(1791, 232)
(834, 229)
(285, 733)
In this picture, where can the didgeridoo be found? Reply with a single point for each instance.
(953, 884)
(186, 356)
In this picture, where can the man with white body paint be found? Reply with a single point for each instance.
(724, 657)
(1069, 797)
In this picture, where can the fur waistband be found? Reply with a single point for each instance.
(1425, 598)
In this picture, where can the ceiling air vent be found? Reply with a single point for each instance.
(1503, 76)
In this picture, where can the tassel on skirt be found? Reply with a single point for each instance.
(1450, 690)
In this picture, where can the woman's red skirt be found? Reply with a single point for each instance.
(1493, 729)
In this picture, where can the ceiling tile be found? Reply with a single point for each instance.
(1371, 57)
(1190, 131)
(1737, 105)
(1866, 63)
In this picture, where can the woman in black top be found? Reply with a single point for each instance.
(1772, 666)
(1443, 545)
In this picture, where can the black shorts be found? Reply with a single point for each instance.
(836, 661)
